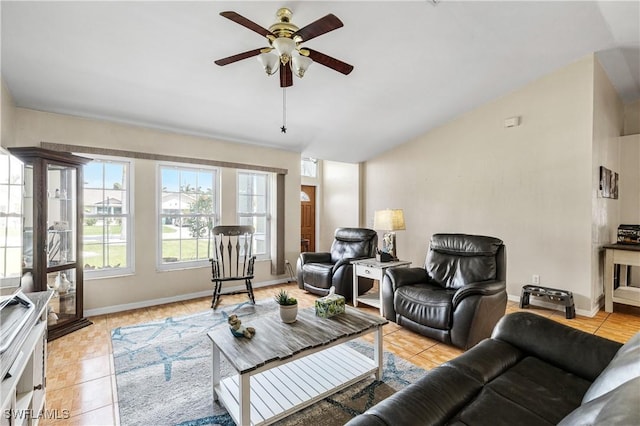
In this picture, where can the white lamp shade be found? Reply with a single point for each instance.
(285, 46)
(389, 220)
(269, 61)
(300, 64)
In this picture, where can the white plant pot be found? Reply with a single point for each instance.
(288, 313)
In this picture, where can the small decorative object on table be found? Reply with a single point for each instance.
(238, 330)
(288, 306)
(382, 256)
(330, 305)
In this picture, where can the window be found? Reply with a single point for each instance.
(253, 209)
(107, 225)
(309, 167)
(188, 211)
(11, 179)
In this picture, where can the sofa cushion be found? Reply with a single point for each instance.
(425, 304)
(620, 406)
(317, 274)
(624, 366)
(353, 243)
(532, 392)
(454, 260)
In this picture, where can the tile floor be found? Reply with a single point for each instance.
(80, 372)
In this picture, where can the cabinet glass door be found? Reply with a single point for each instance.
(61, 217)
(27, 231)
(63, 302)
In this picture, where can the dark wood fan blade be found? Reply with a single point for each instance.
(286, 76)
(319, 27)
(330, 62)
(239, 19)
(238, 57)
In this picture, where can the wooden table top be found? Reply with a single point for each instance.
(276, 341)
(620, 246)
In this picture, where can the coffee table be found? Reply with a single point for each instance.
(287, 367)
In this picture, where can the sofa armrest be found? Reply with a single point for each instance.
(347, 261)
(578, 352)
(406, 276)
(315, 257)
(482, 288)
(432, 400)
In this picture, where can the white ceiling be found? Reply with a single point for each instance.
(418, 64)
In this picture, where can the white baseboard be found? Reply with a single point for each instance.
(556, 307)
(178, 298)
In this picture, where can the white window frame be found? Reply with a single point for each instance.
(267, 214)
(11, 205)
(129, 217)
(309, 167)
(161, 265)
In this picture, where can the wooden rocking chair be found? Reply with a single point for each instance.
(232, 259)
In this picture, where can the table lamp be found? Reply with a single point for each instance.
(389, 220)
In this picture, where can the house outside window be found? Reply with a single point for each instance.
(254, 209)
(11, 186)
(188, 199)
(107, 227)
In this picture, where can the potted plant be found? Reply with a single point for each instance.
(288, 306)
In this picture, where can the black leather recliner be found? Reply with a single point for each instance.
(317, 272)
(459, 295)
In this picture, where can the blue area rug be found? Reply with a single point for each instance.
(163, 373)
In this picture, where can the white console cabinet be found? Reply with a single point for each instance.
(23, 389)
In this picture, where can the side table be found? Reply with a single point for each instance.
(371, 268)
(620, 254)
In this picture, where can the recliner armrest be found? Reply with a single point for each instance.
(346, 261)
(315, 257)
(406, 276)
(482, 288)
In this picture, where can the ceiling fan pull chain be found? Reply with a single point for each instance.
(283, 129)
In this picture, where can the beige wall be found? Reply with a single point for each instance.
(529, 185)
(630, 179)
(340, 200)
(632, 118)
(608, 122)
(148, 285)
(629, 188)
(7, 116)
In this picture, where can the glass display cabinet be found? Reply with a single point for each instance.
(52, 240)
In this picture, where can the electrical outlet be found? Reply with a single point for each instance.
(535, 279)
(286, 261)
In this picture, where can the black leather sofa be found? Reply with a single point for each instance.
(532, 371)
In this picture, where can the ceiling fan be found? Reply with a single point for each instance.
(285, 39)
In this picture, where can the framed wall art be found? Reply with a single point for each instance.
(608, 183)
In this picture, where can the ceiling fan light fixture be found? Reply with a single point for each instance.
(285, 47)
(269, 62)
(300, 64)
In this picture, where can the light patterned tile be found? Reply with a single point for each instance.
(121, 319)
(167, 310)
(91, 395)
(424, 360)
(93, 400)
(103, 416)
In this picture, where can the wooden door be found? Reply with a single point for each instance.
(307, 218)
